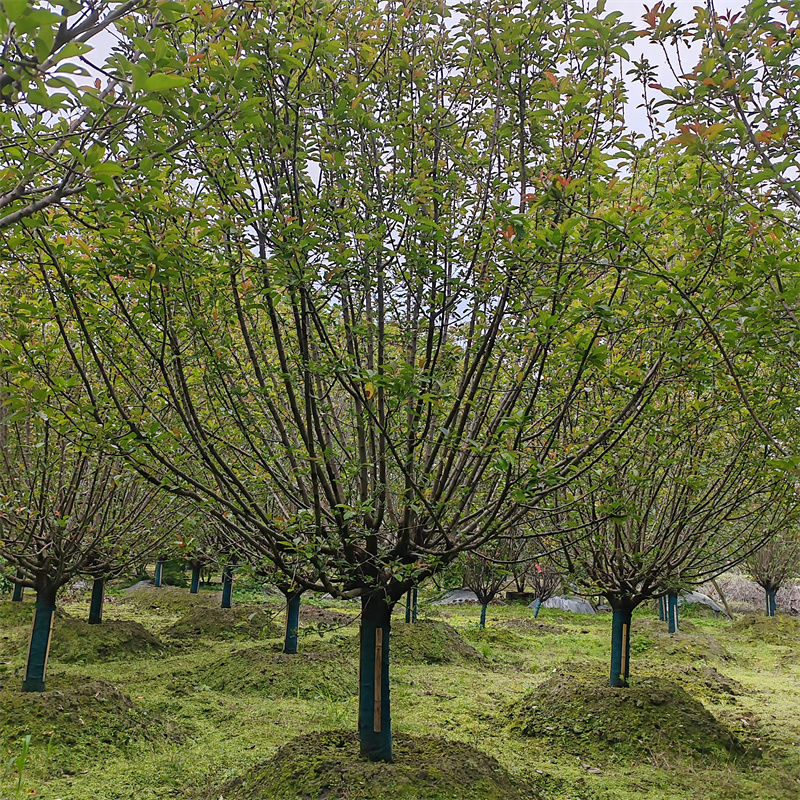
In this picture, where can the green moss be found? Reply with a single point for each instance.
(13, 614)
(328, 766)
(308, 675)
(779, 630)
(689, 645)
(84, 721)
(430, 642)
(75, 640)
(241, 622)
(169, 599)
(583, 713)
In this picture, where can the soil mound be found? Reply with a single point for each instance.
(773, 630)
(430, 642)
(505, 638)
(309, 675)
(241, 622)
(327, 765)
(655, 716)
(690, 644)
(325, 618)
(170, 599)
(82, 722)
(13, 615)
(707, 682)
(75, 640)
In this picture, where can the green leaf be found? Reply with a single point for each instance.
(161, 82)
(14, 9)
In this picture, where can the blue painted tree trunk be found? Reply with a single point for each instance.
(621, 646)
(39, 645)
(374, 719)
(771, 601)
(414, 604)
(194, 587)
(408, 606)
(662, 614)
(19, 589)
(292, 623)
(672, 612)
(227, 586)
(96, 603)
(536, 608)
(159, 573)
(482, 623)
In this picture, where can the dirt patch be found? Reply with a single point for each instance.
(75, 640)
(83, 722)
(327, 765)
(430, 642)
(583, 713)
(311, 675)
(171, 599)
(779, 630)
(241, 622)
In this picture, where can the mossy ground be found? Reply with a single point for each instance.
(241, 622)
(75, 640)
(424, 768)
(230, 728)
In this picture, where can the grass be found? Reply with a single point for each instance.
(749, 683)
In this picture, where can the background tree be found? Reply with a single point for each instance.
(775, 563)
(689, 495)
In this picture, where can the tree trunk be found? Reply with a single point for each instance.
(19, 590)
(292, 623)
(408, 606)
(771, 595)
(159, 571)
(374, 720)
(414, 604)
(39, 645)
(96, 604)
(227, 586)
(537, 607)
(483, 617)
(662, 615)
(723, 598)
(194, 588)
(621, 646)
(672, 612)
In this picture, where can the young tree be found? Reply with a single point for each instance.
(689, 495)
(487, 571)
(67, 511)
(775, 563)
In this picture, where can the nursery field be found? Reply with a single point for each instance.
(172, 697)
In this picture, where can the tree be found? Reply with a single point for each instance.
(690, 494)
(351, 321)
(773, 564)
(67, 511)
(487, 571)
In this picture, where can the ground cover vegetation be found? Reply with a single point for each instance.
(341, 298)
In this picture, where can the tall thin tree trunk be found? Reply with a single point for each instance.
(723, 599)
(194, 588)
(374, 718)
(414, 604)
(662, 614)
(771, 601)
(537, 607)
(482, 624)
(96, 603)
(227, 586)
(292, 622)
(672, 612)
(39, 644)
(408, 606)
(621, 646)
(159, 573)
